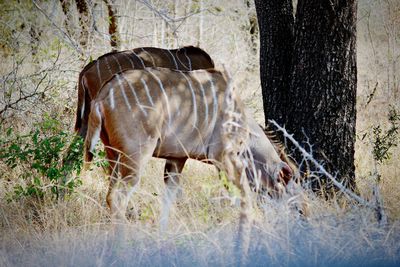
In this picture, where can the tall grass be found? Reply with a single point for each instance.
(202, 229)
(77, 231)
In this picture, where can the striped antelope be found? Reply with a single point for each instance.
(96, 73)
(178, 115)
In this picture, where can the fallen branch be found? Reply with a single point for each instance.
(351, 195)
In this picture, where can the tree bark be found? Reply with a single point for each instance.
(84, 22)
(115, 40)
(65, 6)
(275, 20)
(35, 33)
(313, 92)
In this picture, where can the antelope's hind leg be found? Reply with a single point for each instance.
(121, 188)
(172, 172)
(112, 158)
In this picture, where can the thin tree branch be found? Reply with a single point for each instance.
(70, 41)
(321, 168)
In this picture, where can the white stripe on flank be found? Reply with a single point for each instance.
(204, 99)
(176, 63)
(177, 57)
(136, 97)
(190, 63)
(121, 87)
(141, 60)
(163, 92)
(130, 60)
(151, 57)
(108, 66)
(193, 99)
(146, 88)
(84, 93)
(119, 65)
(111, 94)
(83, 109)
(215, 101)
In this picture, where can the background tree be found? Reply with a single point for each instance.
(84, 22)
(65, 6)
(309, 76)
(87, 24)
(275, 19)
(115, 41)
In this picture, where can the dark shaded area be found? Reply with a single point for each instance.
(276, 22)
(309, 78)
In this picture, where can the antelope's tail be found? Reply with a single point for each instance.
(93, 131)
(80, 110)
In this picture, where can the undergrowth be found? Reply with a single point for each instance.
(47, 160)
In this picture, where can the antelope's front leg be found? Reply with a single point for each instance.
(113, 159)
(172, 171)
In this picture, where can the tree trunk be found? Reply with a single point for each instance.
(322, 77)
(115, 40)
(253, 26)
(35, 33)
(65, 6)
(275, 20)
(84, 20)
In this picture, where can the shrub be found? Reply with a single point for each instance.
(383, 141)
(39, 156)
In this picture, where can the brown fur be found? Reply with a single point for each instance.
(89, 82)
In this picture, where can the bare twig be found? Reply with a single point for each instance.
(17, 89)
(68, 39)
(170, 21)
(321, 168)
(23, 97)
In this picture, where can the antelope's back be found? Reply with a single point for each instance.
(186, 58)
(102, 70)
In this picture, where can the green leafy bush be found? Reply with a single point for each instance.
(38, 155)
(383, 141)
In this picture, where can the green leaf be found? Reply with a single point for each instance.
(9, 132)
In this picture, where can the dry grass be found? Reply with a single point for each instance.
(378, 55)
(202, 229)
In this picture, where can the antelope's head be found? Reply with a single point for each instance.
(269, 166)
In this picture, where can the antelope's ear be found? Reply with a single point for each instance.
(286, 173)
